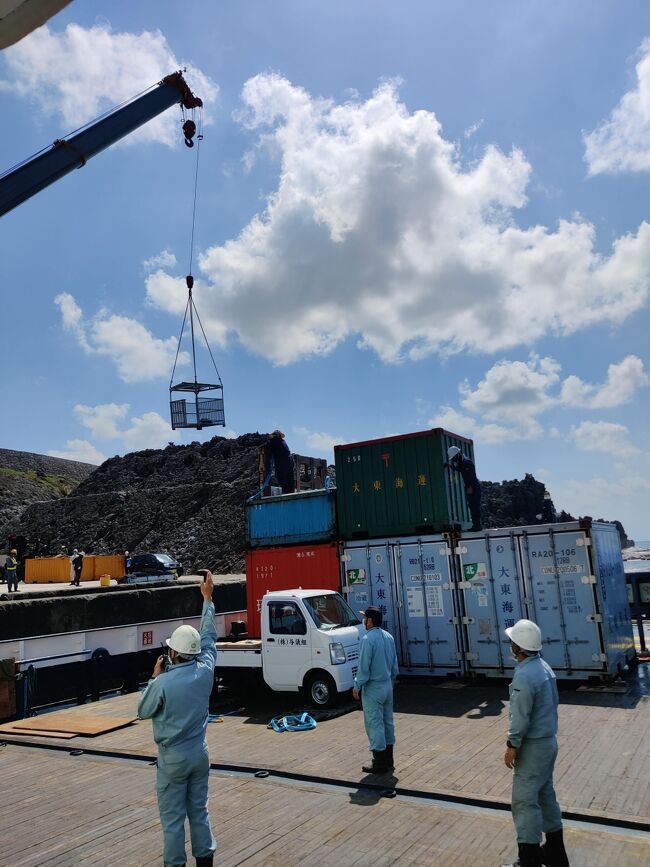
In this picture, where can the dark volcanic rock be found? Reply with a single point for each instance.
(187, 500)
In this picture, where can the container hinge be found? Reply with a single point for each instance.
(599, 657)
(585, 542)
(345, 558)
(454, 621)
(445, 586)
(461, 549)
(464, 585)
(527, 600)
(588, 579)
(594, 618)
(445, 551)
(470, 656)
(459, 655)
(467, 621)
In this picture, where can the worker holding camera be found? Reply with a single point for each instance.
(176, 701)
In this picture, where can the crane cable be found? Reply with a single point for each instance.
(188, 128)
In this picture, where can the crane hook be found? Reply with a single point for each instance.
(189, 131)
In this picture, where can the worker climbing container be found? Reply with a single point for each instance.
(411, 580)
(568, 578)
(286, 568)
(290, 519)
(400, 486)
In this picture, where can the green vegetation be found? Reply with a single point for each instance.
(61, 484)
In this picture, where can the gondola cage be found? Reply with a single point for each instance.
(200, 410)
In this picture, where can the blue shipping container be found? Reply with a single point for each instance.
(291, 519)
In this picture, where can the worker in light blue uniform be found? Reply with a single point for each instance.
(376, 673)
(531, 750)
(176, 700)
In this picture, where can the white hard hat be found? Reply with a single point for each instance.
(452, 451)
(526, 635)
(185, 640)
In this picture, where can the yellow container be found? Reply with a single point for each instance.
(88, 568)
(112, 565)
(48, 570)
(104, 580)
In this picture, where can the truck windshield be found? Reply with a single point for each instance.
(330, 611)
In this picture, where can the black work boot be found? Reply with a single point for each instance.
(553, 851)
(530, 855)
(390, 763)
(378, 765)
(206, 861)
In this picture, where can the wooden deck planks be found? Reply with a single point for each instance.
(448, 741)
(84, 811)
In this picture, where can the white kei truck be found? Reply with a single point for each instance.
(309, 642)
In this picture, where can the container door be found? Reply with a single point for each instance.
(561, 596)
(370, 580)
(428, 615)
(492, 593)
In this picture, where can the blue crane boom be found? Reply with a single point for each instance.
(19, 184)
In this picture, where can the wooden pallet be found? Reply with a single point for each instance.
(77, 723)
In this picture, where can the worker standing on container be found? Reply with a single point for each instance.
(277, 449)
(532, 750)
(11, 570)
(463, 465)
(177, 700)
(374, 684)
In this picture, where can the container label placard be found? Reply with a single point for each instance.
(415, 600)
(356, 576)
(573, 568)
(474, 570)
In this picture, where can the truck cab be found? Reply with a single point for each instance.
(310, 642)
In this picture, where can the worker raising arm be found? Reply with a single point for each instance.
(177, 701)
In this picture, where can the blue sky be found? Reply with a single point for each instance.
(409, 215)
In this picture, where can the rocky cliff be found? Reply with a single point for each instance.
(189, 500)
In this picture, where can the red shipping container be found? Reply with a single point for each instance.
(288, 568)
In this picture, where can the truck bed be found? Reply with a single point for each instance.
(244, 644)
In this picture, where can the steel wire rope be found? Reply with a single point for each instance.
(191, 306)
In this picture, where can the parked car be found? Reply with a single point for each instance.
(154, 564)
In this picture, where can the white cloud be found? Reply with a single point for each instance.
(108, 421)
(170, 294)
(512, 389)
(603, 436)
(166, 259)
(72, 316)
(452, 420)
(79, 73)
(623, 381)
(622, 142)
(149, 431)
(79, 450)
(376, 230)
(513, 393)
(102, 420)
(320, 442)
(136, 353)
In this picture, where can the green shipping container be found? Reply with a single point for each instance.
(399, 486)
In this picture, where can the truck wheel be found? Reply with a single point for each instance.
(321, 690)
